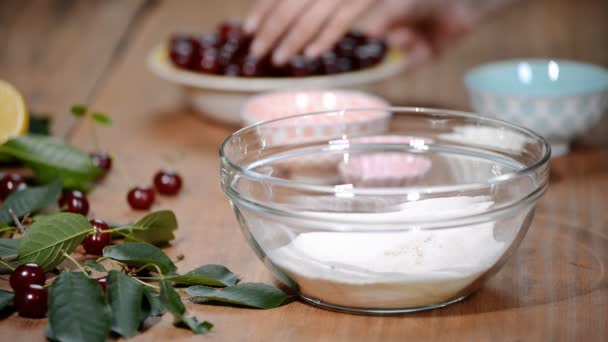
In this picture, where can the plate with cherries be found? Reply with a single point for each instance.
(220, 74)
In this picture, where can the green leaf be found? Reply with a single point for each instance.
(155, 228)
(44, 241)
(78, 110)
(52, 158)
(125, 296)
(255, 295)
(94, 265)
(8, 247)
(101, 118)
(140, 254)
(30, 200)
(39, 124)
(210, 275)
(197, 327)
(6, 300)
(156, 307)
(78, 309)
(172, 301)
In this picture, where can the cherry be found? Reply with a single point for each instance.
(232, 70)
(330, 62)
(252, 67)
(141, 197)
(346, 47)
(209, 62)
(298, 67)
(183, 51)
(103, 283)
(167, 182)
(358, 36)
(25, 275)
(370, 53)
(227, 55)
(74, 202)
(207, 41)
(344, 64)
(94, 243)
(103, 161)
(31, 302)
(10, 183)
(230, 28)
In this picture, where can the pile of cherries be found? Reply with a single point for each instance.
(226, 52)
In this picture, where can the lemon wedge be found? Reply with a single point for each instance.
(14, 118)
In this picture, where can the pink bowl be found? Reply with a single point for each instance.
(281, 104)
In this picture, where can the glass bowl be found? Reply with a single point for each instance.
(412, 218)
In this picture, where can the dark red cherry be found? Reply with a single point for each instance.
(230, 28)
(298, 67)
(102, 160)
(10, 183)
(31, 302)
(209, 62)
(252, 67)
(74, 202)
(344, 64)
(207, 41)
(330, 62)
(227, 55)
(25, 275)
(167, 182)
(346, 47)
(183, 51)
(141, 197)
(232, 70)
(358, 36)
(103, 283)
(94, 243)
(371, 53)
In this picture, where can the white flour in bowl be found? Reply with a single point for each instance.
(393, 269)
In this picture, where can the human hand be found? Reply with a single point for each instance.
(421, 27)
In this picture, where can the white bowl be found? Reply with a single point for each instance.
(558, 99)
(221, 97)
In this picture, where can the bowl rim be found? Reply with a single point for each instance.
(394, 62)
(506, 208)
(477, 70)
(246, 116)
(401, 190)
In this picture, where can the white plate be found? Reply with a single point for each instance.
(221, 97)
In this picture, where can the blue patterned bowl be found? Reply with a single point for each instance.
(558, 99)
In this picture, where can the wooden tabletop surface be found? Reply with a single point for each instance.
(63, 52)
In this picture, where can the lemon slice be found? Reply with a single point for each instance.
(14, 118)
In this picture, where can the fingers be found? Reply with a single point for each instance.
(270, 30)
(337, 27)
(305, 28)
(258, 13)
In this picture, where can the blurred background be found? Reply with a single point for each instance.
(47, 45)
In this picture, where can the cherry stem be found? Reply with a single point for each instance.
(69, 257)
(7, 265)
(153, 265)
(17, 222)
(146, 284)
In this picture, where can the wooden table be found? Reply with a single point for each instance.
(63, 52)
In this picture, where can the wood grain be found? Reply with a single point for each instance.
(555, 288)
(56, 52)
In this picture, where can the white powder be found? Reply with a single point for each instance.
(393, 269)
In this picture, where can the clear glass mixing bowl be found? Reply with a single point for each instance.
(411, 212)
